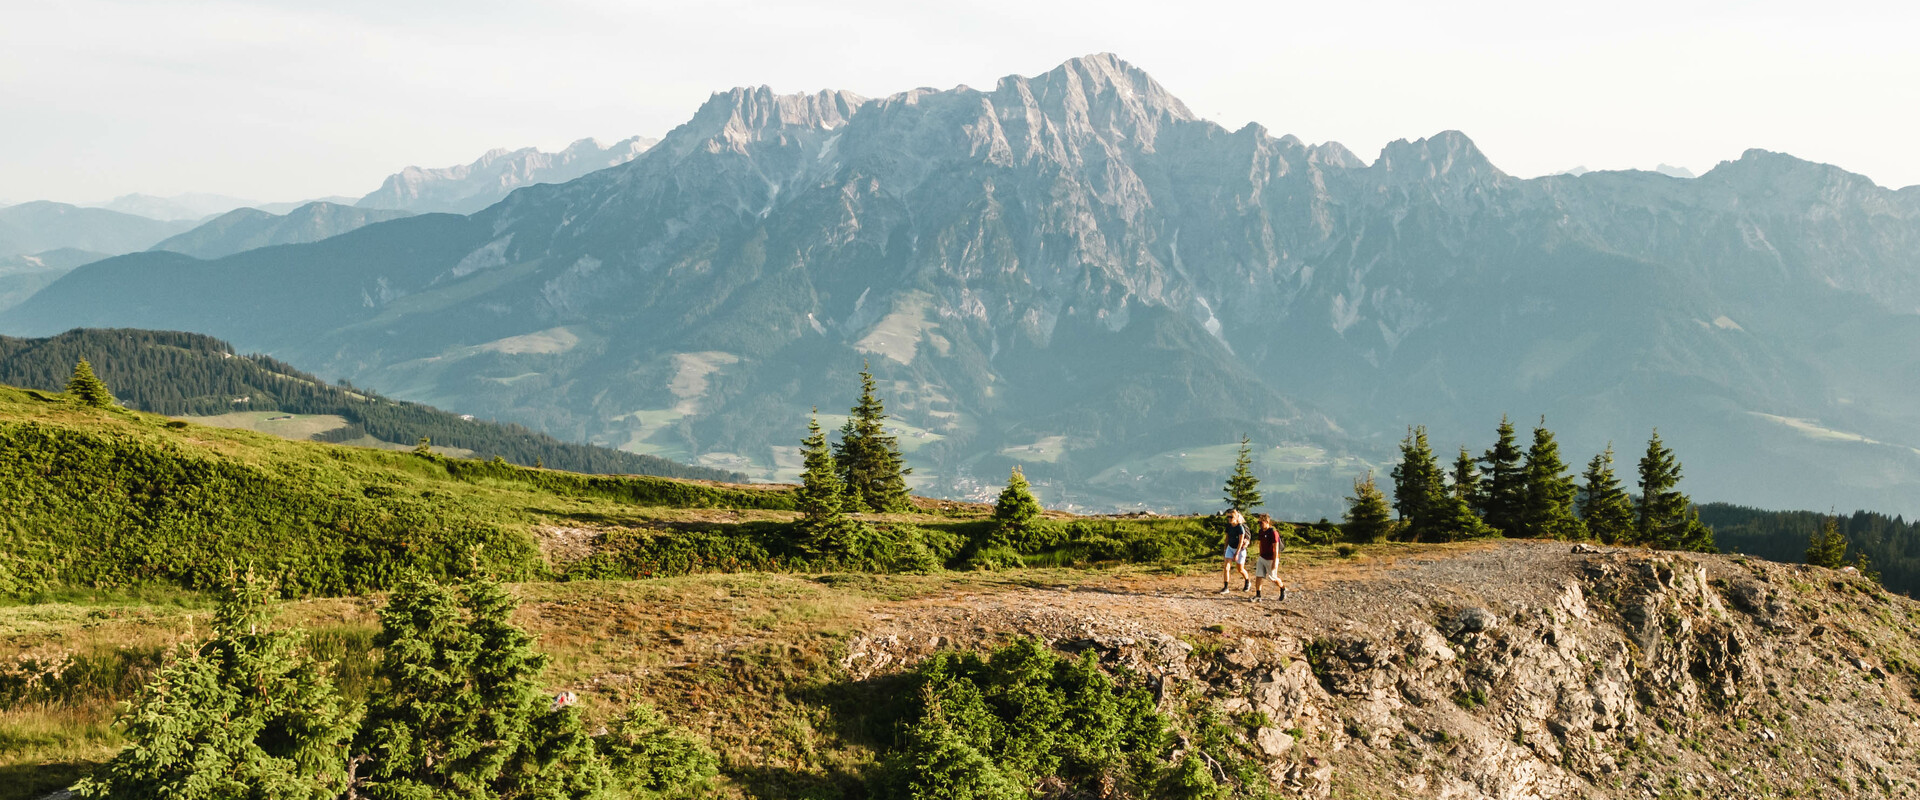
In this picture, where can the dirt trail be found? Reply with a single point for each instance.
(1369, 592)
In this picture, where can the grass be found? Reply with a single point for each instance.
(749, 661)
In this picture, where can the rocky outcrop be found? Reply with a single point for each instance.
(1627, 674)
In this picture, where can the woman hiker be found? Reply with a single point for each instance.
(1236, 543)
(1270, 546)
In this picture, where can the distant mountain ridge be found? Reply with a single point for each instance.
(188, 207)
(42, 225)
(248, 228)
(176, 373)
(467, 188)
(1074, 273)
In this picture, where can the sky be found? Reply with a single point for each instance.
(279, 101)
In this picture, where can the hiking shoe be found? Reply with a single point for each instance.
(1283, 593)
(1256, 597)
(1246, 586)
(1223, 590)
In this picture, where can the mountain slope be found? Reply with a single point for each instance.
(42, 225)
(188, 207)
(1072, 272)
(250, 228)
(22, 275)
(113, 498)
(468, 188)
(186, 374)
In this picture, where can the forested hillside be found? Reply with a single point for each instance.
(175, 373)
(1891, 544)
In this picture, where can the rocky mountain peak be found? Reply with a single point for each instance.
(1781, 183)
(1448, 154)
(746, 113)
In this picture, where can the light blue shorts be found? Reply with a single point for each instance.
(1237, 555)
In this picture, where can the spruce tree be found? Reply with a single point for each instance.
(1015, 511)
(88, 389)
(821, 494)
(1548, 509)
(825, 531)
(1368, 518)
(247, 715)
(1503, 493)
(1604, 507)
(1417, 482)
(1243, 489)
(1450, 520)
(1828, 548)
(1466, 479)
(1664, 517)
(460, 714)
(869, 458)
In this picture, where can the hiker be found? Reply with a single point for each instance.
(1271, 544)
(1237, 539)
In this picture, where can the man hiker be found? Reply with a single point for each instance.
(1270, 546)
(1237, 539)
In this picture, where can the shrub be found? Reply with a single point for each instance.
(647, 756)
(245, 716)
(461, 715)
(989, 727)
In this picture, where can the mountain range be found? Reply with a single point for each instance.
(249, 228)
(43, 225)
(1075, 273)
(467, 188)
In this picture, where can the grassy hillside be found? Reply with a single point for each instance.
(186, 374)
(119, 498)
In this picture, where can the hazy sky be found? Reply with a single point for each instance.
(279, 101)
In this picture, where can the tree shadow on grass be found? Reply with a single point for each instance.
(781, 783)
(32, 781)
(863, 713)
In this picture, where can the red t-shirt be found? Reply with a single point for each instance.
(1269, 539)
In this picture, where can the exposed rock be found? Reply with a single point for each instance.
(1273, 742)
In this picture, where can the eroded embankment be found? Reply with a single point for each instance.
(1519, 670)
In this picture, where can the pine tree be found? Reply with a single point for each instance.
(1466, 479)
(1417, 484)
(87, 389)
(821, 494)
(1664, 517)
(825, 531)
(460, 715)
(1015, 511)
(1368, 518)
(870, 463)
(1604, 507)
(1503, 493)
(1828, 548)
(1243, 489)
(247, 716)
(1548, 509)
(1450, 520)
